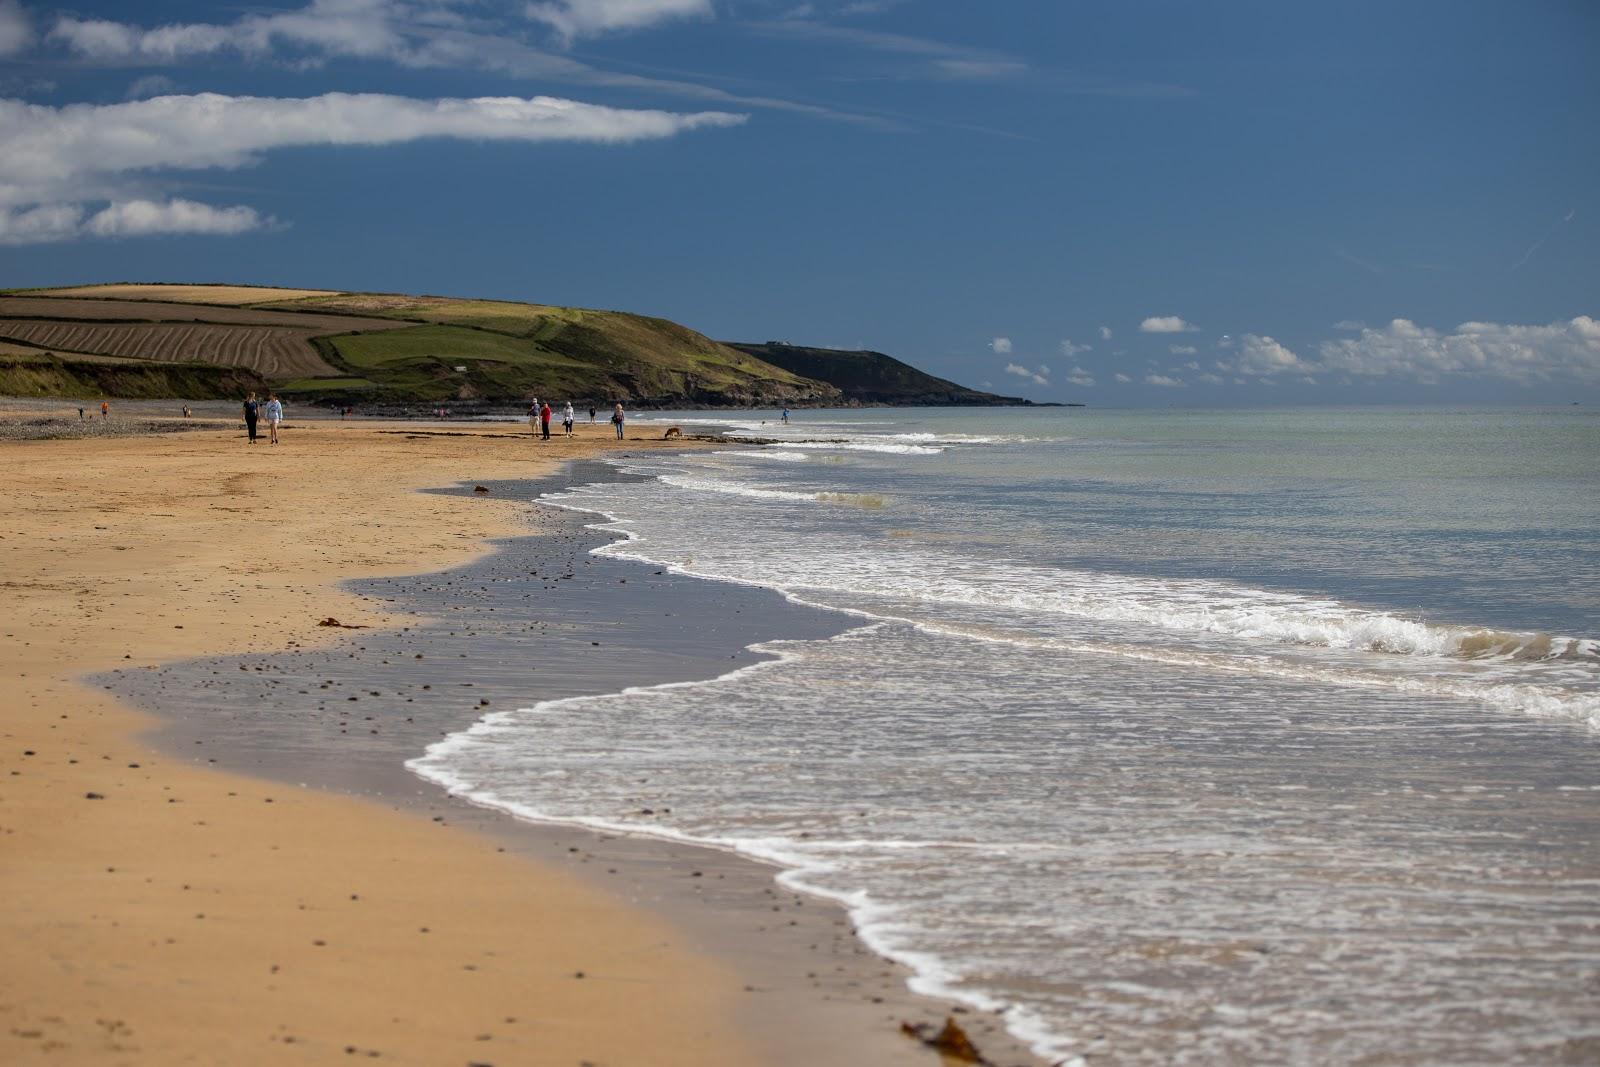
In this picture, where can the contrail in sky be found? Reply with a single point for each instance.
(1562, 221)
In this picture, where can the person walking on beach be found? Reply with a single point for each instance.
(568, 417)
(533, 417)
(252, 412)
(617, 418)
(274, 414)
(544, 421)
(591, 414)
(105, 410)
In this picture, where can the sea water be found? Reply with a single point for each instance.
(1176, 737)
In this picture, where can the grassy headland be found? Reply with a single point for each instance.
(391, 350)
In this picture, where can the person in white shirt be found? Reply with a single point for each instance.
(273, 411)
(567, 418)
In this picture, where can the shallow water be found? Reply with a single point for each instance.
(1193, 737)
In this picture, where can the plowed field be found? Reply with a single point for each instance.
(271, 351)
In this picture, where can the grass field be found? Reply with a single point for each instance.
(456, 363)
(184, 294)
(87, 310)
(442, 342)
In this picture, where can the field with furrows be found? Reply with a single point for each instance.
(270, 351)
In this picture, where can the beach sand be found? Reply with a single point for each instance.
(160, 911)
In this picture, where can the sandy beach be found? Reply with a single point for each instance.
(162, 911)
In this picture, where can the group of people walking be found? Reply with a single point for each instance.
(255, 410)
(540, 414)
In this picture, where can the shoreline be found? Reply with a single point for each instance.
(694, 994)
(787, 944)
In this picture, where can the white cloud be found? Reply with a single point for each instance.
(1350, 325)
(1526, 355)
(140, 218)
(1210, 379)
(64, 158)
(1163, 381)
(586, 18)
(1263, 355)
(1024, 372)
(1182, 350)
(1123, 378)
(1105, 333)
(1001, 346)
(1068, 349)
(1166, 324)
(43, 222)
(416, 34)
(1081, 378)
(364, 28)
(1191, 365)
(16, 28)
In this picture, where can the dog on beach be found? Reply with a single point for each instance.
(672, 431)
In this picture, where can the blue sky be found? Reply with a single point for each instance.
(1115, 202)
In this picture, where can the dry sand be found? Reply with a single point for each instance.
(157, 912)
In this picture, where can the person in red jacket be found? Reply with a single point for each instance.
(544, 421)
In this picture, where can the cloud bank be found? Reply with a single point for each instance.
(1524, 355)
(414, 34)
(55, 162)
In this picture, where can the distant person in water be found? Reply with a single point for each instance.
(591, 414)
(80, 414)
(568, 417)
(544, 421)
(252, 412)
(105, 410)
(186, 411)
(786, 416)
(274, 413)
(617, 418)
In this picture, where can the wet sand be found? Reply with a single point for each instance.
(166, 908)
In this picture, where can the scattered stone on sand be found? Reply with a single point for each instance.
(950, 1041)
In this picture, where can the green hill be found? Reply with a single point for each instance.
(870, 377)
(393, 350)
(381, 349)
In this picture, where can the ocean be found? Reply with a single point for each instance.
(1172, 736)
